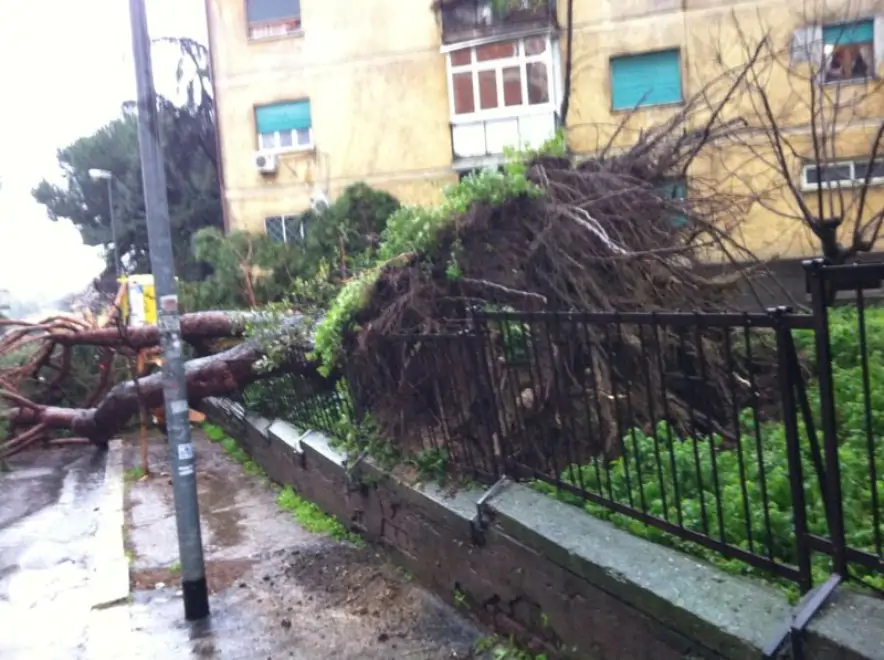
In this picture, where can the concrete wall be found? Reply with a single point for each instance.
(547, 573)
(378, 88)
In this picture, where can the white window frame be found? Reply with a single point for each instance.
(828, 50)
(302, 231)
(521, 60)
(277, 141)
(808, 46)
(857, 176)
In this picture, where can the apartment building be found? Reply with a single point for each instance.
(313, 95)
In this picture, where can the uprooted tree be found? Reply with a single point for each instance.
(612, 233)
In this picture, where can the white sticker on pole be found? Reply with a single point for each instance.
(169, 303)
(185, 451)
(185, 470)
(179, 407)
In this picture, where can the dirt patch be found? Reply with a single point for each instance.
(220, 574)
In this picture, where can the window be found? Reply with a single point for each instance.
(286, 228)
(677, 189)
(847, 173)
(646, 79)
(501, 78)
(273, 18)
(284, 126)
(849, 51)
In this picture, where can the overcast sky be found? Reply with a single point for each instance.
(65, 70)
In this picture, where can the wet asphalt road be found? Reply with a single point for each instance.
(48, 517)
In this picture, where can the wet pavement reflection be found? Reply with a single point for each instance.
(50, 502)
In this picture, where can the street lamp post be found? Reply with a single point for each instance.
(104, 175)
(159, 237)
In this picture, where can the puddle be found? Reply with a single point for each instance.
(219, 508)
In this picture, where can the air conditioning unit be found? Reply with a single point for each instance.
(266, 162)
(319, 201)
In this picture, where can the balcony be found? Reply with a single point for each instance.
(465, 20)
(472, 140)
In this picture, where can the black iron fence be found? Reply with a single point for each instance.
(751, 437)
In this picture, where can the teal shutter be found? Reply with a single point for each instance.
(646, 79)
(266, 11)
(676, 190)
(283, 117)
(856, 32)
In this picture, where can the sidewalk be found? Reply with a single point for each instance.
(277, 591)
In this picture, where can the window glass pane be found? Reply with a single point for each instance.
(538, 83)
(292, 228)
(849, 62)
(830, 173)
(495, 51)
(862, 166)
(285, 139)
(512, 86)
(273, 228)
(535, 46)
(303, 137)
(463, 93)
(260, 11)
(460, 57)
(268, 140)
(487, 90)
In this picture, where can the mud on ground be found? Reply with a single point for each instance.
(278, 591)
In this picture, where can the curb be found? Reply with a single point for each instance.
(110, 579)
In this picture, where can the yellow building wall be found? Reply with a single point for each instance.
(715, 36)
(379, 101)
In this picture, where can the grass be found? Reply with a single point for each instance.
(305, 513)
(230, 446)
(134, 474)
(175, 569)
(311, 518)
(501, 649)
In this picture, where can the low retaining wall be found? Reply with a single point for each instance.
(540, 570)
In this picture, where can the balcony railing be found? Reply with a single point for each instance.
(491, 137)
(463, 20)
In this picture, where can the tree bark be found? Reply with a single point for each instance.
(226, 372)
(222, 373)
(195, 328)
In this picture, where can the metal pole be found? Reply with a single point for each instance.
(190, 547)
(113, 224)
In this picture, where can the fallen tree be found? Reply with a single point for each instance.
(619, 232)
(221, 373)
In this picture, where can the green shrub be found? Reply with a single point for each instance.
(653, 465)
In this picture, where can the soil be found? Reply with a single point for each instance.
(220, 574)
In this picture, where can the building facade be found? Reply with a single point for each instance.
(313, 95)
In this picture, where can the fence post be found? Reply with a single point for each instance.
(819, 291)
(485, 355)
(787, 373)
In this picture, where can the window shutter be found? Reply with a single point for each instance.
(807, 45)
(879, 41)
(265, 11)
(283, 117)
(648, 79)
(843, 34)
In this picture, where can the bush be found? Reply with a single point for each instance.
(636, 480)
